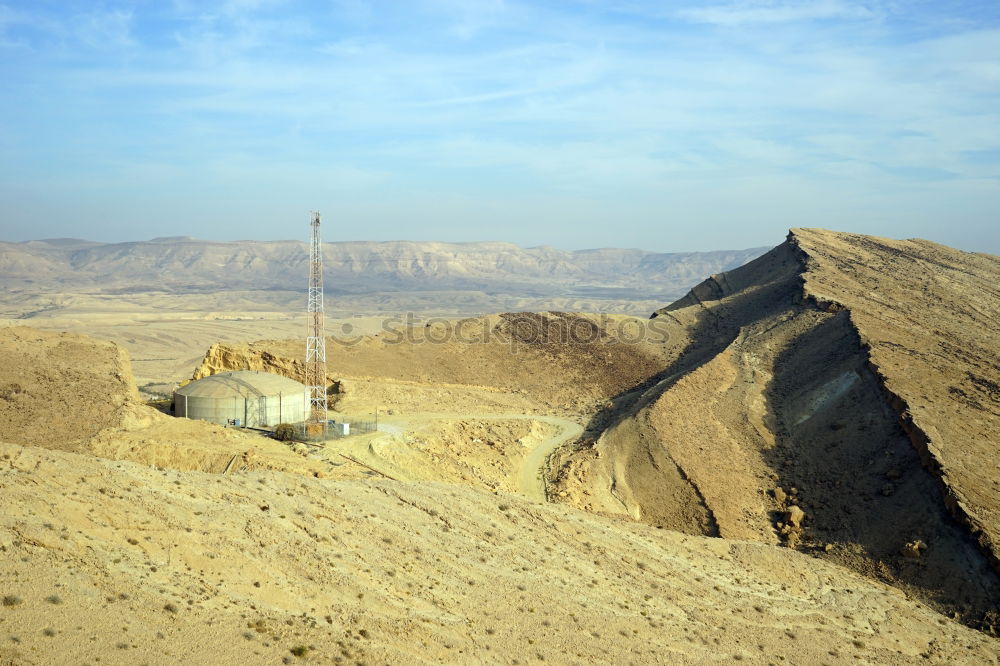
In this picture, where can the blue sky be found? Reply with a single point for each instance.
(670, 126)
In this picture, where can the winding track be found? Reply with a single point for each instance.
(531, 471)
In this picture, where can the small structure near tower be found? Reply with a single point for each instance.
(316, 421)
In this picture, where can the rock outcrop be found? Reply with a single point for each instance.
(226, 357)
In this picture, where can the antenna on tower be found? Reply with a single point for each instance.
(315, 338)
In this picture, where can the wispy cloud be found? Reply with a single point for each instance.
(709, 108)
(105, 29)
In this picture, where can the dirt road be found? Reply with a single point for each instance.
(531, 475)
(368, 449)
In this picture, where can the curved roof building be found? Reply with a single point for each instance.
(248, 397)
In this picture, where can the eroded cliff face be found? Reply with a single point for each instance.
(226, 357)
(789, 416)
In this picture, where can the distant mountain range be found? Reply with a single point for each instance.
(183, 264)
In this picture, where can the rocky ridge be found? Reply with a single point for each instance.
(781, 420)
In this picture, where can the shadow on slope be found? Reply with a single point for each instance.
(869, 504)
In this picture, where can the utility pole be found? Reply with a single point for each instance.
(315, 338)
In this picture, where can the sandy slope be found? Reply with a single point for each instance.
(127, 564)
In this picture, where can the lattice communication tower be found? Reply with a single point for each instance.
(315, 338)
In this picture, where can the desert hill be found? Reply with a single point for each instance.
(834, 396)
(933, 339)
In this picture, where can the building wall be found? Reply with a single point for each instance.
(268, 410)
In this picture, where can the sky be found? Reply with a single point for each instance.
(667, 126)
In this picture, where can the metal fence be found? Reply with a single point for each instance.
(332, 430)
